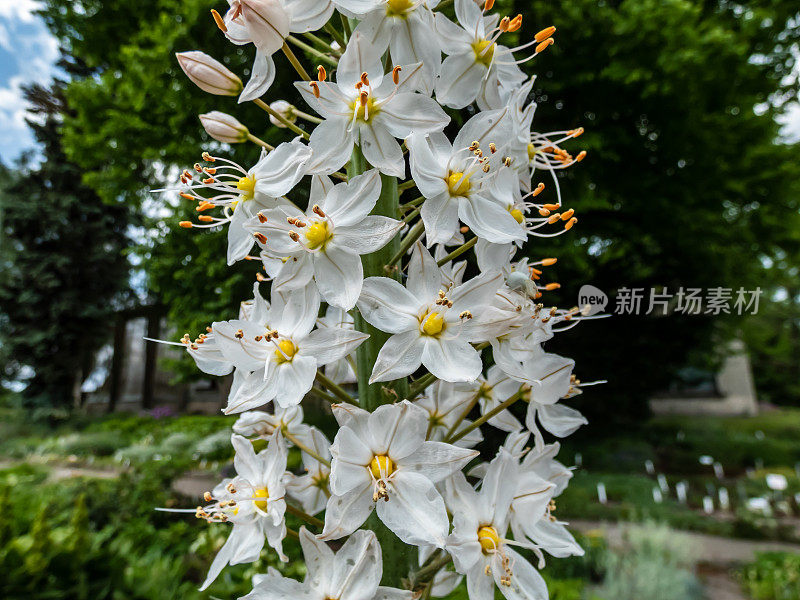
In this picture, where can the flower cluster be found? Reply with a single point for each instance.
(385, 309)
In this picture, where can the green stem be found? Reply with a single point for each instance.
(335, 389)
(260, 142)
(335, 35)
(306, 116)
(412, 236)
(406, 186)
(411, 216)
(478, 422)
(292, 510)
(458, 251)
(281, 119)
(427, 572)
(420, 385)
(348, 31)
(315, 391)
(295, 63)
(322, 43)
(312, 51)
(401, 558)
(464, 415)
(315, 455)
(412, 203)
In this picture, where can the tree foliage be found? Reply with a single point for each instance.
(686, 183)
(64, 263)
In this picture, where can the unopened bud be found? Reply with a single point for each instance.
(224, 128)
(209, 74)
(285, 110)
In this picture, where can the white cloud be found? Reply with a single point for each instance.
(21, 10)
(33, 52)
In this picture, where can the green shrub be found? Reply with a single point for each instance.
(773, 576)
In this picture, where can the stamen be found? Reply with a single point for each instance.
(219, 21)
(322, 74)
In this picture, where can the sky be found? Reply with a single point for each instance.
(28, 54)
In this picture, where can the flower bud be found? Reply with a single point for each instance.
(209, 74)
(285, 110)
(224, 128)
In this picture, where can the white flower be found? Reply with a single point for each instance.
(382, 457)
(406, 28)
(281, 356)
(267, 23)
(456, 180)
(477, 67)
(352, 573)
(209, 74)
(342, 370)
(241, 193)
(312, 489)
(431, 325)
(252, 502)
(483, 389)
(539, 472)
(326, 242)
(446, 404)
(543, 379)
(256, 423)
(478, 544)
(224, 128)
(366, 109)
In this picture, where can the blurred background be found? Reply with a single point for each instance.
(690, 190)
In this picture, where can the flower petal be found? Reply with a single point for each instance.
(400, 356)
(332, 143)
(370, 235)
(329, 344)
(408, 113)
(387, 305)
(424, 275)
(261, 78)
(349, 203)
(357, 567)
(489, 220)
(339, 276)
(415, 511)
(437, 460)
(344, 514)
(451, 360)
(380, 148)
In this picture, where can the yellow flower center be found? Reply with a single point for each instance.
(518, 215)
(458, 184)
(433, 324)
(261, 493)
(286, 351)
(484, 52)
(488, 539)
(381, 466)
(398, 8)
(317, 234)
(365, 113)
(247, 186)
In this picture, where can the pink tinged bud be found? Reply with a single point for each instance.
(267, 22)
(224, 128)
(284, 109)
(209, 74)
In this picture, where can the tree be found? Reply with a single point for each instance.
(685, 185)
(64, 265)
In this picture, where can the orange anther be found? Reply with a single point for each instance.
(571, 223)
(552, 206)
(208, 180)
(549, 262)
(489, 5)
(539, 189)
(364, 97)
(504, 23)
(515, 24)
(322, 74)
(262, 239)
(568, 215)
(544, 34)
(205, 218)
(552, 286)
(464, 229)
(187, 196)
(261, 218)
(544, 212)
(396, 74)
(554, 218)
(219, 21)
(314, 86)
(543, 46)
(186, 224)
(364, 78)
(576, 132)
(580, 156)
